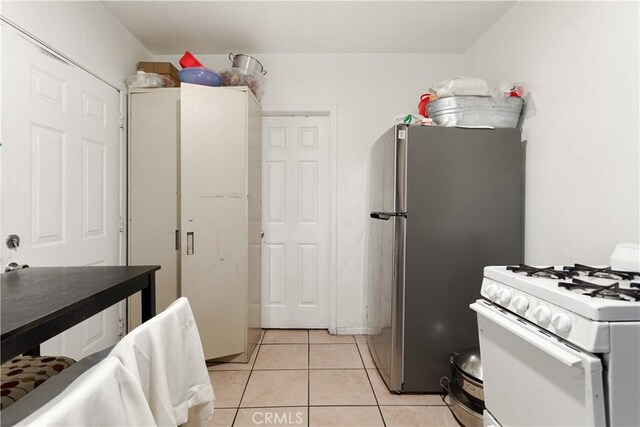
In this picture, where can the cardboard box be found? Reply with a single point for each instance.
(165, 69)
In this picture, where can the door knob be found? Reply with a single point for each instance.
(261, 234)
(13, 241)
(14, 266)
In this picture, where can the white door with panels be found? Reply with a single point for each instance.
(60, 175)
(296, 221)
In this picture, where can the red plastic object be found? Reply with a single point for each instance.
(422, 106)
(518, 91)
(188, 60)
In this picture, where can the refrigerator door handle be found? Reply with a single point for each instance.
(385, 216)
(378, 215)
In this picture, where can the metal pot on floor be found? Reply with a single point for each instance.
(466, 391)
(467, 369)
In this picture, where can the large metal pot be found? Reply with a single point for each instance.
(476, 111)
(467, 412)
(246, 62)
(467, 369)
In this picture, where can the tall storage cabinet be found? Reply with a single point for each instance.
(153, 196)
(218, 203)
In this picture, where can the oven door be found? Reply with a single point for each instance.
(532, 377)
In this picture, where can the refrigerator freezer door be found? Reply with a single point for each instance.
(388, 177)
(385, 297)
(464, 194)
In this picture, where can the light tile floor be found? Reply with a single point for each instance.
(311, 378)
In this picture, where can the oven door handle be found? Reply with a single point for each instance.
(538, 340)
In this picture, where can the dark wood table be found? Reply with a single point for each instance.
(38, 303)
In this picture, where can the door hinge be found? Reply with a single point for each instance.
(120, 328)
(121, 224)
(121, 121)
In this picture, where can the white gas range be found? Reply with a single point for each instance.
(561, 345)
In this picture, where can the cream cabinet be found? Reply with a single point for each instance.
(195, 207)
(153, 193)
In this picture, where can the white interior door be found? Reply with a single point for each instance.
(296, 221)
(60, 174)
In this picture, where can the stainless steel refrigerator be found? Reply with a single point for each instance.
(444, 203)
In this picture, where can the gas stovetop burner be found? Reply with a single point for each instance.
(602, 272)
(549, 272)
(612, 291)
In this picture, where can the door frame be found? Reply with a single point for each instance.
(331, 112)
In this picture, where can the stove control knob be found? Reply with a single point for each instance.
(542, 314)
(561, 322)
(521, 304)
(504, 296)
(492, 292)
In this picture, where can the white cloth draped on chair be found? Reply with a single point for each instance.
(165, 355)
(107, 394)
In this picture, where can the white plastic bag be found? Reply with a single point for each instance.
(459, 86)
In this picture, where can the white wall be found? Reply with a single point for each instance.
(85, 31)
(368, 91)
(580, 62)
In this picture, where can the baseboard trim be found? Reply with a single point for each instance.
(352, 331)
